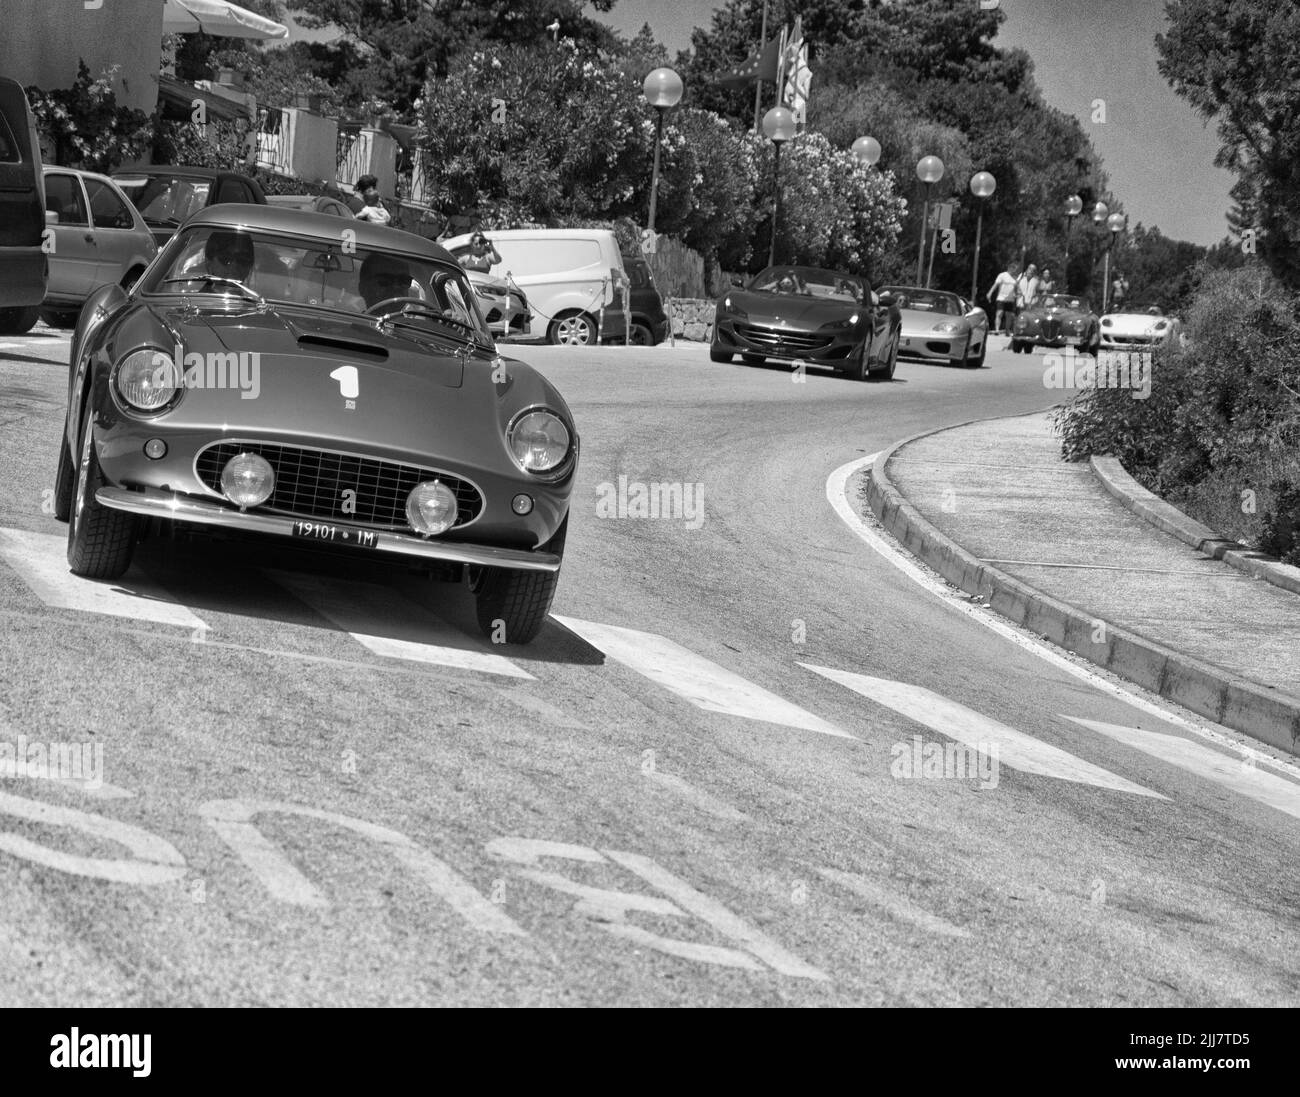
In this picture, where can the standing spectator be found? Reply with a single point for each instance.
(373, 210)
(1027, 289)
(482, 256)
(1118, 292)
(1046, 283)
(1002, 296)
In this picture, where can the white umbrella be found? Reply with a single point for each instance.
(220, 18)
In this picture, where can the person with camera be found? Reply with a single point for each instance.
(482, 256)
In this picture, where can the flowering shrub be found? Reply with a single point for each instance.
(86, 127)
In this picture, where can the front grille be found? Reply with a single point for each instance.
(780, 339)
(1050, 329)
(311, 483)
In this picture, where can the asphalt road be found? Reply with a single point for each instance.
(321, 787)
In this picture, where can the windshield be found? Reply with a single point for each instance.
(924, 300)
(165, 199)
(322, 273)
(1060, 301)
(808, 283)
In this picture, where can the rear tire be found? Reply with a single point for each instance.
(19, 321)
(59, 318)
(575, 330)
(512, 606)
(101, 541)
(641, 335)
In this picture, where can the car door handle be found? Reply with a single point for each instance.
(90, 238)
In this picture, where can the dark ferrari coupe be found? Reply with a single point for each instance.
(806, 314)
(1057, 320)
(333, 384)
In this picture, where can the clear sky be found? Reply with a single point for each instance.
(1156, 150)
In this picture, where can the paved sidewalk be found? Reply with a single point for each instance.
(1000, 490)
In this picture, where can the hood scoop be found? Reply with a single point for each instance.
(338, 345)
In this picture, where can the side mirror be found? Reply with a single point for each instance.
(885, 300)
(51, 218)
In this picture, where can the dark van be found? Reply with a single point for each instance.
(23, 263)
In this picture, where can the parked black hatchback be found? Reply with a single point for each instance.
(23, 262)
(649, 321)
(167, 196)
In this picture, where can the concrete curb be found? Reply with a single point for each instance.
(1269, 715)
(1204, 540)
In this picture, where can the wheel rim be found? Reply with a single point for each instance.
(573, 331)
(640, 337)
(83, 478)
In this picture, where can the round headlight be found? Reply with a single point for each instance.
(247, 480)
(148, 379)
(1106, 321)
(538, 441)
(431, 507)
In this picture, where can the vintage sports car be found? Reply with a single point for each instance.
(939, 326)
(1057, 320)
(288, 374)
(806, 314)
(1143, 328)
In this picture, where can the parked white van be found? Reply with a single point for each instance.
(567, 276)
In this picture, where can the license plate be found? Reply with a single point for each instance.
(339, 535)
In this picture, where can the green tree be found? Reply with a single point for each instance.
(1237, 61)
(86, 126)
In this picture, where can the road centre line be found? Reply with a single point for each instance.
(955, 721)
(703, 683)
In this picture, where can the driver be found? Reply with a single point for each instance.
(787, 284)
(383, 276)
(229, 254)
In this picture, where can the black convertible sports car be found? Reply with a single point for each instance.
(806, 314)
(1056, 320)
(287, 374)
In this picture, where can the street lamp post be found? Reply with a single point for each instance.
(663, 90)
(1073, 207)
(1099, 212)
(778, 127)
(982, 184)
(929, 169)
(1115, 222)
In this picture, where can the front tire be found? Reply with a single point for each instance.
(512, 606)
(63, 484)
(575, 330)
(101, 540)
(717, 355)
(886, 372)
(60, 318)
(753, 359)
(978, 362)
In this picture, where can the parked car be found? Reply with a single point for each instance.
(807, 314)
(1144, 327)
(649, 320)
(23, 262)
(940, 326)
(384, 424)
(99, 237)
(1057, 320)
(166, 196)
(570, 278)
(315, 203)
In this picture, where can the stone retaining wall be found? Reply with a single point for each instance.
(692, 319)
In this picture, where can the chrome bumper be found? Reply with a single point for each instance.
(152, 503)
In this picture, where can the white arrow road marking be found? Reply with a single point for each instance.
(956, 721)
(356, 607)
(40, 559)
(1238, 774)
(895, 905)
(701, 682)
